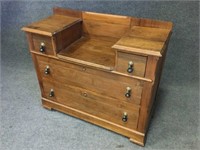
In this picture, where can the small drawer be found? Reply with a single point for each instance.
(42, 44)
(131, 64)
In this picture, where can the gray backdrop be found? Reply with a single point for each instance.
(26, 125)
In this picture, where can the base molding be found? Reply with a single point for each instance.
(140, 142)
(47, 107)
(135, 136)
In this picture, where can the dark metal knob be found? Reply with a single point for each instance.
(51, 94)
(128, 92)
(125, 117)
(47, 70)
(130, 67)
(42, 47)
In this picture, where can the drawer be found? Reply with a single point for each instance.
(104, 83)
(131, 64)
(42, 44)
(92, 103)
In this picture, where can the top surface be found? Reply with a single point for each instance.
(51, 25)
(150, 40)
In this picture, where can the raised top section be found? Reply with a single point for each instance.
(109, 18)
(134, 35)
(51, 25)
(145, 40)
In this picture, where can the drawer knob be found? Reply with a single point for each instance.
(42, 47)
(130, 67)
(51, 94)
(83, 69)
(125, 117)
(128, 92)
(84, 94)
(47, 70)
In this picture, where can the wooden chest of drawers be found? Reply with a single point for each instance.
(104, 69)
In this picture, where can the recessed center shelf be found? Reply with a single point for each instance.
(93, 50)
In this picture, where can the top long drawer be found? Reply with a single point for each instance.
(105, 83)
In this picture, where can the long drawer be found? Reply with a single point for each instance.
(111, 85)
(92, 103)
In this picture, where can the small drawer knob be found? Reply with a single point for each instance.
(130, 67)
(47, 70)
(83, 69)
(125, 117)
(128, 92)
(42, 47)
(51, 94)
(85, 94)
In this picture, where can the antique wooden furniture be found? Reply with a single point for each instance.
(102, 68)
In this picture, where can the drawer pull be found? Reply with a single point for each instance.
(51, 94)
(47, 70)
(128, 92)
(85, 94)
(125, 117)
(130, 67)
(42, 47)
(83, 69)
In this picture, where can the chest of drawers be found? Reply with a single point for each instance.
(101, 68)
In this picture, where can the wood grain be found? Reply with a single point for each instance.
(68, 36)
(107, 18)
(92, 103)
(92, 49)
(51, 25)
(154, 34)
(148, 94)
(97, 81)
(137, 136)
(144, 22)
(145, 40)
(105, 25)
(67, 12)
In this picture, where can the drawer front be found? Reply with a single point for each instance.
(131, 64)
(91, 102)
(42, 43)
(111, 85)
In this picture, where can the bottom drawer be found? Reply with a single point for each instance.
(106, 108)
